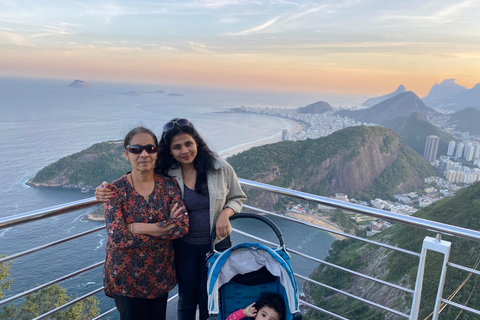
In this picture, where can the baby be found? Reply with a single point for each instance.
(270, 306)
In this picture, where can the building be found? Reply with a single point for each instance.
(451, 148)
(469, 152)
(459, 152)
(450, 176)
(470, 177)
(285, 134)
(459, 177)
(341, 197)
(431, 148)
(476, 152)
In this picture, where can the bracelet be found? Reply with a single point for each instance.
(132, 227)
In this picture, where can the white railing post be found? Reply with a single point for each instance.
(437, 245)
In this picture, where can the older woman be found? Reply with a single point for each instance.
(211, 193)
(144, 214)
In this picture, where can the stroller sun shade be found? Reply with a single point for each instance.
(267, 269)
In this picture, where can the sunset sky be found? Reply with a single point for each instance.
(343, 46)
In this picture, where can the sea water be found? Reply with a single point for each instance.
(42, 121)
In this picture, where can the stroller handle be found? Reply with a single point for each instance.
(264, 219)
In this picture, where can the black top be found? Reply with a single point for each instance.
(199, 219)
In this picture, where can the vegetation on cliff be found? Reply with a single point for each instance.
(414, 130)
(45, 300)
(462, 210)
(88, 168)
(366, 162)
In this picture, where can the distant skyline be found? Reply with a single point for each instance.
(366, 47)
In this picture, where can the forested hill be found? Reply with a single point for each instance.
(461, 210)
(88, 168)
(398, 106)
(364, 162)
(414, 130)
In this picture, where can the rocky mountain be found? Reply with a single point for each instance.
(442, 90)
(373, 101)
(79, 84)
(364, 162)
(316, 108)
(414, 130)
(400, 105)
(461, 210)
(88, 168)
(469, 98)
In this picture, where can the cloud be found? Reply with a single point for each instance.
(200, 47)
(15, 38)
(214, 4)
(259, 28)
(435, 13)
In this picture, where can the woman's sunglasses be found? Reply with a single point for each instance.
(171, 124)
(137, 149)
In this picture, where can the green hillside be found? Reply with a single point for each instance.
(322, 166)
(462, 210)
(414, 130)
(87, 168)
(466, 120)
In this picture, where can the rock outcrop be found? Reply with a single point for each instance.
(79, 84)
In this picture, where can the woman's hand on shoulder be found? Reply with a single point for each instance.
(175, 211)
(102, 193)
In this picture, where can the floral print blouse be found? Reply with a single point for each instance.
(141, 266)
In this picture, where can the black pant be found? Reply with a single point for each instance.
(192, 272)
(141, 309)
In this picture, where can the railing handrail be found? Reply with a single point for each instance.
(408, 220)
(381, 214)
(48, 212)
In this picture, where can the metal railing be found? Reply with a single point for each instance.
(429, 244)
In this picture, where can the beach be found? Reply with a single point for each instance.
(320, 221)
(293, 128)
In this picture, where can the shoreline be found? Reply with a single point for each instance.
(293, 128)
(319, 221)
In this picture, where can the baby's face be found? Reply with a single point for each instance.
(267, 313)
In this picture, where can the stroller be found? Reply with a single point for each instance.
(238, 275)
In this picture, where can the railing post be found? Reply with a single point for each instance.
(437, 245)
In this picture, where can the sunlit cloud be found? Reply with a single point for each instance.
(200, 47)
(259, 28)
(14, 38)
(246, 36)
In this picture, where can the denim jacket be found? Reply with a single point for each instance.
(223, 188)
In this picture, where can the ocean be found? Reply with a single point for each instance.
(42, 121)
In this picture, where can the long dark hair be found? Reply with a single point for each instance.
(203, 162)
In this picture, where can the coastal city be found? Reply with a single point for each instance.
(459, 167)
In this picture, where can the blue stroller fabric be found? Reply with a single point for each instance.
(244, 259)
